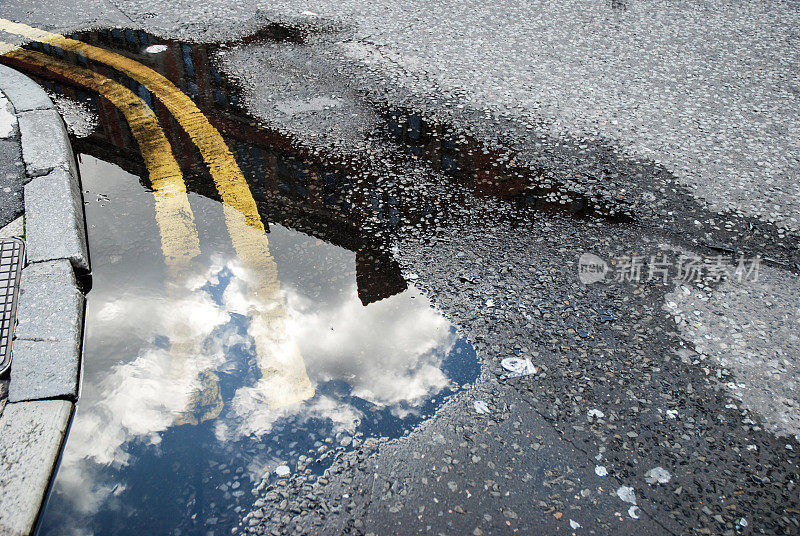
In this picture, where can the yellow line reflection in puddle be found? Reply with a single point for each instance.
(284, 377)
(228, 178)
(179, 241)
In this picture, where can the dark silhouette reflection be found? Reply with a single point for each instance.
(457, 156)
(289, 186)
(482, 170)
(375, 277)
(340, 203)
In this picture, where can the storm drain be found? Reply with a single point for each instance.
(12, 256)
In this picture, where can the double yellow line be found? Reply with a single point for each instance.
(230, 181)
(279, 358)
(179, 241)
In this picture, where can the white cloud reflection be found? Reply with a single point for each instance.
(142, 397)
(389, 352)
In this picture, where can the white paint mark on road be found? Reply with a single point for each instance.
(600, 470)
(626, 494)
(8, 120)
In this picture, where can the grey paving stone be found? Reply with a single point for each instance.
(50, 304)
(54, 220)
(8, 118)
(31, 434)
(24, 93)
(45, 144)
(12, 178)
(15, 228)
(44, 369)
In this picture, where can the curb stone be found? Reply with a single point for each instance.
(45, 370)
(54, 217)
(50, 304)
(24, 93)
(31, 434)
(45, 143)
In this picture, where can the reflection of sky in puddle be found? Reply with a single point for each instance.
(179, 415)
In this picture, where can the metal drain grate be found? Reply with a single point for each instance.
(12, 257)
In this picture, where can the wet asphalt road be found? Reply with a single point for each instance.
(650, 118)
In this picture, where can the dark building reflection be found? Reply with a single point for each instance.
(290, 188)
(462, 159)
(375, 277)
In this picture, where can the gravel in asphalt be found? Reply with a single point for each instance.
(678, 112)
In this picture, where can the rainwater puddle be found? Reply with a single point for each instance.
(198, 381)
(217, 352)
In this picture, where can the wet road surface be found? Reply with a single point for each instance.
(170, 439)
(650, 409)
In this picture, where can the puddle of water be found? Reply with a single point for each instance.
(205, 372)
(183, 407)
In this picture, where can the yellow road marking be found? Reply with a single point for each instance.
(229, 180)
(279, 358)
(179, 240)
(284, 378)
